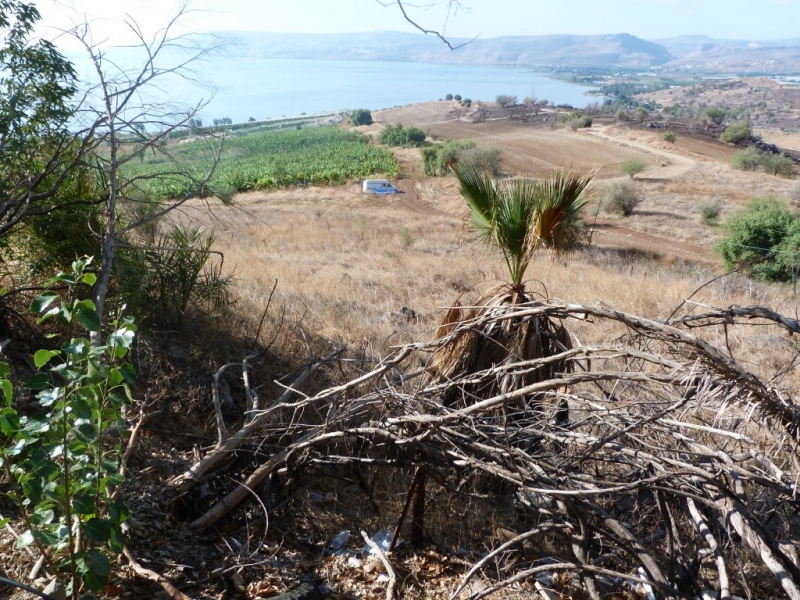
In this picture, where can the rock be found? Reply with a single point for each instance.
(56, 590)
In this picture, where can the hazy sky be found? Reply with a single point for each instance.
(649, 19)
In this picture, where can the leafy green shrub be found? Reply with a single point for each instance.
(60, 468)
(448, 97)
(715, 114)
(457, 98)
(361, 116)
(763, 239)
(748, 159)
(466, 102)
(669, 136)
(397, 135)
(631, 167)
(779, 164)
(739, 132)
(622, 198)
(709, 212)
(505, 100)
(438, 158)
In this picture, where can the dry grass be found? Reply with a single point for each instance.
(346, 264)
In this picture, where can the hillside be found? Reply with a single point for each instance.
(694, 53)
(556, 50)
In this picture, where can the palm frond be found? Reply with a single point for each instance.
(559, 198)
(480, 192)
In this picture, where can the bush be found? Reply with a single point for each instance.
(631, 167)
(506, 100)
(621, 198)
(778, 164)
(715, 114)
(397, 135)
(486, 159)
(739, 132)
(466, 102)
(361, 116)
(448, 97)
(763, 240)
(169, 278)
(669, 136)
(747, 159)
(709, 212)
(436, 159)
(457, 98)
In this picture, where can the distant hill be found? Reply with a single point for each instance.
(702, 53)
(695, 53)
(556, 50)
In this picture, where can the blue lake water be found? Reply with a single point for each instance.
(266, 88)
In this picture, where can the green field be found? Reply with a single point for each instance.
(263, 160)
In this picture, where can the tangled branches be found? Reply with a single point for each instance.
(675, 468)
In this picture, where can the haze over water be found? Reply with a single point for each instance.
(266, 88)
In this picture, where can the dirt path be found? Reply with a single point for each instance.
(676, 164)
(410, 174)
(612, 235)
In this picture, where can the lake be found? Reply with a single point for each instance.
(267, 88)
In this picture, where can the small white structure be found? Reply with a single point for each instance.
(379, 186)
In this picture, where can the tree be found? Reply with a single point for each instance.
(505, 100)
(715, 114)
(448, 97)
(669, 136)
(38, 152)
(516, 217)
(361, 116)
(763, 239)
(122, 105)
(738, 132)
(632, 166)
(457, 97)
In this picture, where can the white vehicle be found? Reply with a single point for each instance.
(379, 186)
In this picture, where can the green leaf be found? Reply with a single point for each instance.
(98, 530)
(42, 357)
(118, 511)
(77, 347)
(86, 431)
(89, 278)
(43, 517)
(9, 422)
(4, 522)
(36, 425)
(4, 369)
(25, 540)
(40, 381)
(48, 538)
(41, 302)
(89, 318)
(84, 505)
(50, 397)
(98, 570)
(8, 391)
(117, 541)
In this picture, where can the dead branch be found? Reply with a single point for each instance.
(141, 571)
(386, 564)
(664, 427)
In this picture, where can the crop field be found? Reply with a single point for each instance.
(265, 160)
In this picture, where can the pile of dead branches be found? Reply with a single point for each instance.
(675, 467)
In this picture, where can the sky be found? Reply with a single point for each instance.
(648, 19)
